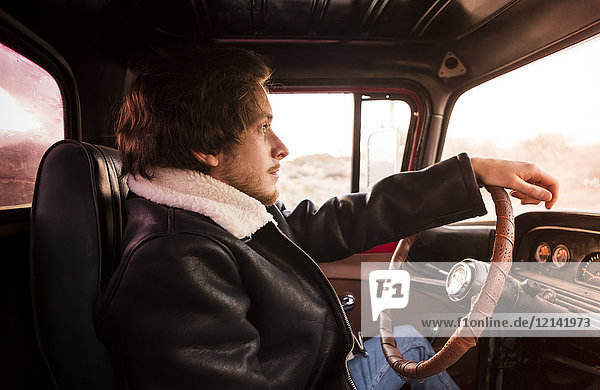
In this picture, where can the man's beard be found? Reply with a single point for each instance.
(245, 179)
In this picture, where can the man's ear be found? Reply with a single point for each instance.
(209, 159)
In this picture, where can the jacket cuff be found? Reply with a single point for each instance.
(471, 184)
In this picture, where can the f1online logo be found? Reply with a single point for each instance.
(389, 290)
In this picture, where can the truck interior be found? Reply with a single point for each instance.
(401, 79)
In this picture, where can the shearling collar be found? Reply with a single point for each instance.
(238, 213)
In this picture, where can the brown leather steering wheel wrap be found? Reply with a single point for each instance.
(483, 305)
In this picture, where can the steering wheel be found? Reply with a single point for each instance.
(483, 306)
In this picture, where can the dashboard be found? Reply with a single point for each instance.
(561, 252)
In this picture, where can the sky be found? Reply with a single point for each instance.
(30, 101)
(314, 123)
(557, 94)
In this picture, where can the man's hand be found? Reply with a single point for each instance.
(529, 183)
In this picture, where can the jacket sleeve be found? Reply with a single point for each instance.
(195, 336)
(395, 207)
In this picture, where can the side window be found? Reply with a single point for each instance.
(31, 119)
(317, 129)
(545, 112)
(384, 127)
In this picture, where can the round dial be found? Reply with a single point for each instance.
(458, 281)
(542, 253)
(561, 256)
(589, 270)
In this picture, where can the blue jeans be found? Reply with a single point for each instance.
(374, 373)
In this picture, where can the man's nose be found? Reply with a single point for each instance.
(280, 151)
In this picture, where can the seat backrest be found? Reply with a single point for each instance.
(76, 226)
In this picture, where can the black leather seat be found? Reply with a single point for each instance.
(77, 222)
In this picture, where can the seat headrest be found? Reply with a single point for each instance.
(76, 227)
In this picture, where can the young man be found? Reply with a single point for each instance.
(218, 286)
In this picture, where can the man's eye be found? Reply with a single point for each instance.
(264, 128)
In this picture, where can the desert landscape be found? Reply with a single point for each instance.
(577, 167)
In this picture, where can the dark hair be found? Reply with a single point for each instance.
(184, 100)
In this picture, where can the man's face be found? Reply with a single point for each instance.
(252, 166)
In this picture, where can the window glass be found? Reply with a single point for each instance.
(384, 126)
(317, 129)
(545, 112)
(31, 119)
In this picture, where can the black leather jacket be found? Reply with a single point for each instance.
(191, 306)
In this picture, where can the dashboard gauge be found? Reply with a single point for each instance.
(561, 256)
(542, 253)
(589, 270)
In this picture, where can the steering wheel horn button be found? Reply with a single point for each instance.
(459, 281)
(466, 279)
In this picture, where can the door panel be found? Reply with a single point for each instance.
(23, 366)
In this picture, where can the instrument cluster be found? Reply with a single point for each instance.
(572, 255)
(588, 271)
(560, 255)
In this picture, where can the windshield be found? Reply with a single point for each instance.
(545, 112)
